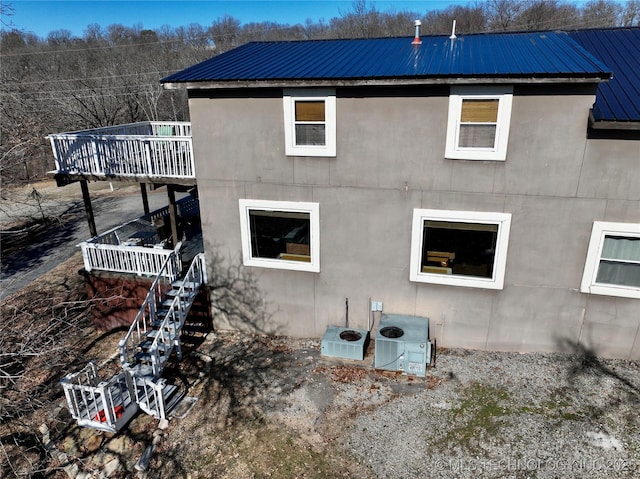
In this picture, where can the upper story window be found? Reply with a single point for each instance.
(459, 248)
(478, 126)
(310, 122)
(280, 234)
(612, 266)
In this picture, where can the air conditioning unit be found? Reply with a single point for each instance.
(402, 344)
(346, 343)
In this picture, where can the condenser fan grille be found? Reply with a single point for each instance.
(350, 335)
(392, 332)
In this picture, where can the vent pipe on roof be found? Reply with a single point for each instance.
(416, 39)
(453, 31)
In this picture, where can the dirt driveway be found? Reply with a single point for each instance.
(41, 224)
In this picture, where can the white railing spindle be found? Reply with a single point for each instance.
(154, 149)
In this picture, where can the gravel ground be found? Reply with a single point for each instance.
(274, 407)
(477, 414)
(508, 415)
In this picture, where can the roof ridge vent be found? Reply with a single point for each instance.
(416, 38)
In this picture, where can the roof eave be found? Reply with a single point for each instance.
(356, 82)
(612, 124)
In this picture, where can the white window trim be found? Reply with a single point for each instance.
(502, 220)
(596, 243)
(289, 206)
(290, 96)
(459, 93)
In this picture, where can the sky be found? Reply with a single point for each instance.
(43, 16)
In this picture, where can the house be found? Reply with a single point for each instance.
(489, 182)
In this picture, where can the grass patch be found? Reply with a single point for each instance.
(260, 449)
(552, 410)
(272, 452)
(478, 417)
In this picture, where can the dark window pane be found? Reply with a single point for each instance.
(621, 247)
(477, 136)
(621, 274)
(310, 135)
(456, 248)
(280, 234)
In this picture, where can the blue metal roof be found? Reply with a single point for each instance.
(619, 48)
(509, 55)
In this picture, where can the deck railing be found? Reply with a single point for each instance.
(106, 252)
(138, 260)
(104, 405)
(147, 149)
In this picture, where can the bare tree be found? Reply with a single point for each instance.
(631, 14)
(601, 13)
(6, 10)
(22, 150)
(469, 19)
(193, 35)
(316, 31)
(502, 14)
(60, 37)
(362, 21)
(269, 31)
(547, 14)
(224, 32)
(398, 24)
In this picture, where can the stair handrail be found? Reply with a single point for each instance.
(166, 338)
(85, 379)
(147, 312)
(168, 335)
(148, 392)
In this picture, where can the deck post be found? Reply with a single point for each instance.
(173, 213)
(145, 198)
(88, 209)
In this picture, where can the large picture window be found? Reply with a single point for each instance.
(612, 266)
(280, 234)
(459, 248)
(310, 122)
(478, 127)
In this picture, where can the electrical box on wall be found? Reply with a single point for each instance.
(376, 305)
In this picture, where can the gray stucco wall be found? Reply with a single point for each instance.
(390, 160)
